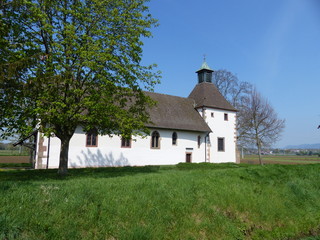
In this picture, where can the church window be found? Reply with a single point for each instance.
(199, 141)
(212, 114)
(226, 116)
(174, 138)
(208, 76)
(92, 139)
(125, 142)
(220, 144)
(155, 140)
(200, 78)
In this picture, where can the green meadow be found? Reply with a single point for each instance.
(185, 201)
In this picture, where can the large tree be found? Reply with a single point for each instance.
(71, 63)
(261, 125)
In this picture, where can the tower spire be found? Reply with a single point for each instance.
(205, 72)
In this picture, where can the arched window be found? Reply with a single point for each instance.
(155, 140)
(199, 141)
(174, 138)
(92, 139)
(126, 142)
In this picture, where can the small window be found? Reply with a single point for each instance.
(174, 138)
(220, 144)
(155, 140)
(199, 141)
(92, 139)
(212, 114)
(226, 116)
(126, 142)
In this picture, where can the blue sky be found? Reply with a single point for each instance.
(273, 44)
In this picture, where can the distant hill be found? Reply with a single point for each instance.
(304, 146)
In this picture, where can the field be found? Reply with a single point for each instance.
(281, 159)
(14, 158)
(14, 153)
(186, 201)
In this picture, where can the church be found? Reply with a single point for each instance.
(199, 128)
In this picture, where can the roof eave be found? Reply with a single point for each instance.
(180, 129)
(207, 106)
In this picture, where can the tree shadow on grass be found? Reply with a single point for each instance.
(51, 174)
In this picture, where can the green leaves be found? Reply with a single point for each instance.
(69, 63)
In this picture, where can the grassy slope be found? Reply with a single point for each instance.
(190, 201)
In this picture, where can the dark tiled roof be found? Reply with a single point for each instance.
(207, 95)
(171, 112)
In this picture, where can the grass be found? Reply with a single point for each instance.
(15, 165)
(186, 201)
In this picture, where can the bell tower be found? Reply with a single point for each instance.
(204, 73)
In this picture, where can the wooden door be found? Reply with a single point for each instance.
(188, 157)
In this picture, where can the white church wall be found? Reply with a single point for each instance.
(110, 153)
(221, 128)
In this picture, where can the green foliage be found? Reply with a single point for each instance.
(86, 65)
(74, 63)
(201, 202)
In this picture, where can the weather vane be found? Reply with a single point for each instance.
(204, 57)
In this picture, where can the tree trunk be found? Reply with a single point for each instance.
(64, 151)
(259, 152)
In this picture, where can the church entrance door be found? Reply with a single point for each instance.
(188, 157)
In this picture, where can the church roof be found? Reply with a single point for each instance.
(206, 94)
(172, 112)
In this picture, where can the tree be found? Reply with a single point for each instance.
(261, 125)
(231, 87)
(237, 93)
(73, 63)
(14, 62)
